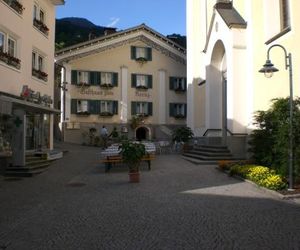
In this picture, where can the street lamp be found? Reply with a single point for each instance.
(268, 69)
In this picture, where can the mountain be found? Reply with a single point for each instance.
(73, 30)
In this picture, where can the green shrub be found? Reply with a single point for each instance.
(269, 143)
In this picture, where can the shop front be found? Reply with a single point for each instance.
(26, 125)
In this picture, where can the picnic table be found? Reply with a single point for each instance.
(112, 155)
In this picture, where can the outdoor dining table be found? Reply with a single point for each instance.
(112, 154)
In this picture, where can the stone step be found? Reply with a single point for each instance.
(208, 158)
(26, 171)
(200, 162)
(210, 153)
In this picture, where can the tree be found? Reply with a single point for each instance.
(269, 143)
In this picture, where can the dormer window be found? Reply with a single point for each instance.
(141, 53)
(178, 84)
(140, 81)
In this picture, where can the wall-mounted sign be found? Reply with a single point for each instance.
(142, 94)
(35, 96)
(83, 91)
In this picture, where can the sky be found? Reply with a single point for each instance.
(164, 16)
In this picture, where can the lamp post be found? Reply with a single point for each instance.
(268, 69)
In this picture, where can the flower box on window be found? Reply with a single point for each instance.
(82, 84)
(16, 5)
(40, 74)
(41, 26)
(4, 57)
(10, 60)
(179, 116)
(179, 89)
(142, 115)
(83, 113)
(106, 85)
(106, 114)
(141, 59)
(141, 87)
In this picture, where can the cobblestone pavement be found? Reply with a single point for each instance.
(177, 205)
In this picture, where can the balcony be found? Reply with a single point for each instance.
(41, 26)
(16, 5)
(10, 60)
(40, 74)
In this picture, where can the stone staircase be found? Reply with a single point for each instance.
(208, 155)
(35, 164)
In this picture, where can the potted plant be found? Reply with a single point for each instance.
(182, 134)
(132, 153)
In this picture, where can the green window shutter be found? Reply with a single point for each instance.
(171, 109)
(133, 52)
(149, 54)
(150, 112)
(73, 106)
(115, 79)
(185, 84)
(172, 80)
(93, 107)
(133, 108)
(115, 107)
(133, 80)
(185, 109)
(150, 80)
(93, 78)
(74, 77)
(98, 78)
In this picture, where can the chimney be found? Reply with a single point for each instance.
(109, 31)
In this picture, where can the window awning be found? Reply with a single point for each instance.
(8, 103)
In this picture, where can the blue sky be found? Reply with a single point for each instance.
(164, 16)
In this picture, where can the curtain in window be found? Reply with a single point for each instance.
(11, 47)
(2, 42)
(82, 106)
(140, 52)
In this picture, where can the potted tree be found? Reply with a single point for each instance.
(132, 153)
(183, 135)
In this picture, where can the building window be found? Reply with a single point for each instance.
(142, 54)
(178, 110)
(141, 108)
(82, 107)
(108, 108)
(8, 50)
(16, 5)
(284, 14)
(106, 79)
(83, 78)
(38, 66)
(2, 42)
(11, 50)
(178, 83)
(39, 19)
(141, 81)
(94, 78)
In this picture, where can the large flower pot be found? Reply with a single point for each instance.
(134, 177)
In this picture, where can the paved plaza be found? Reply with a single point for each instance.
(177, 205)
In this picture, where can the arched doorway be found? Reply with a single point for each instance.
(217, 92)
(142, 133)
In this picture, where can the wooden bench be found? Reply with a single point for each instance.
(114, 159)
